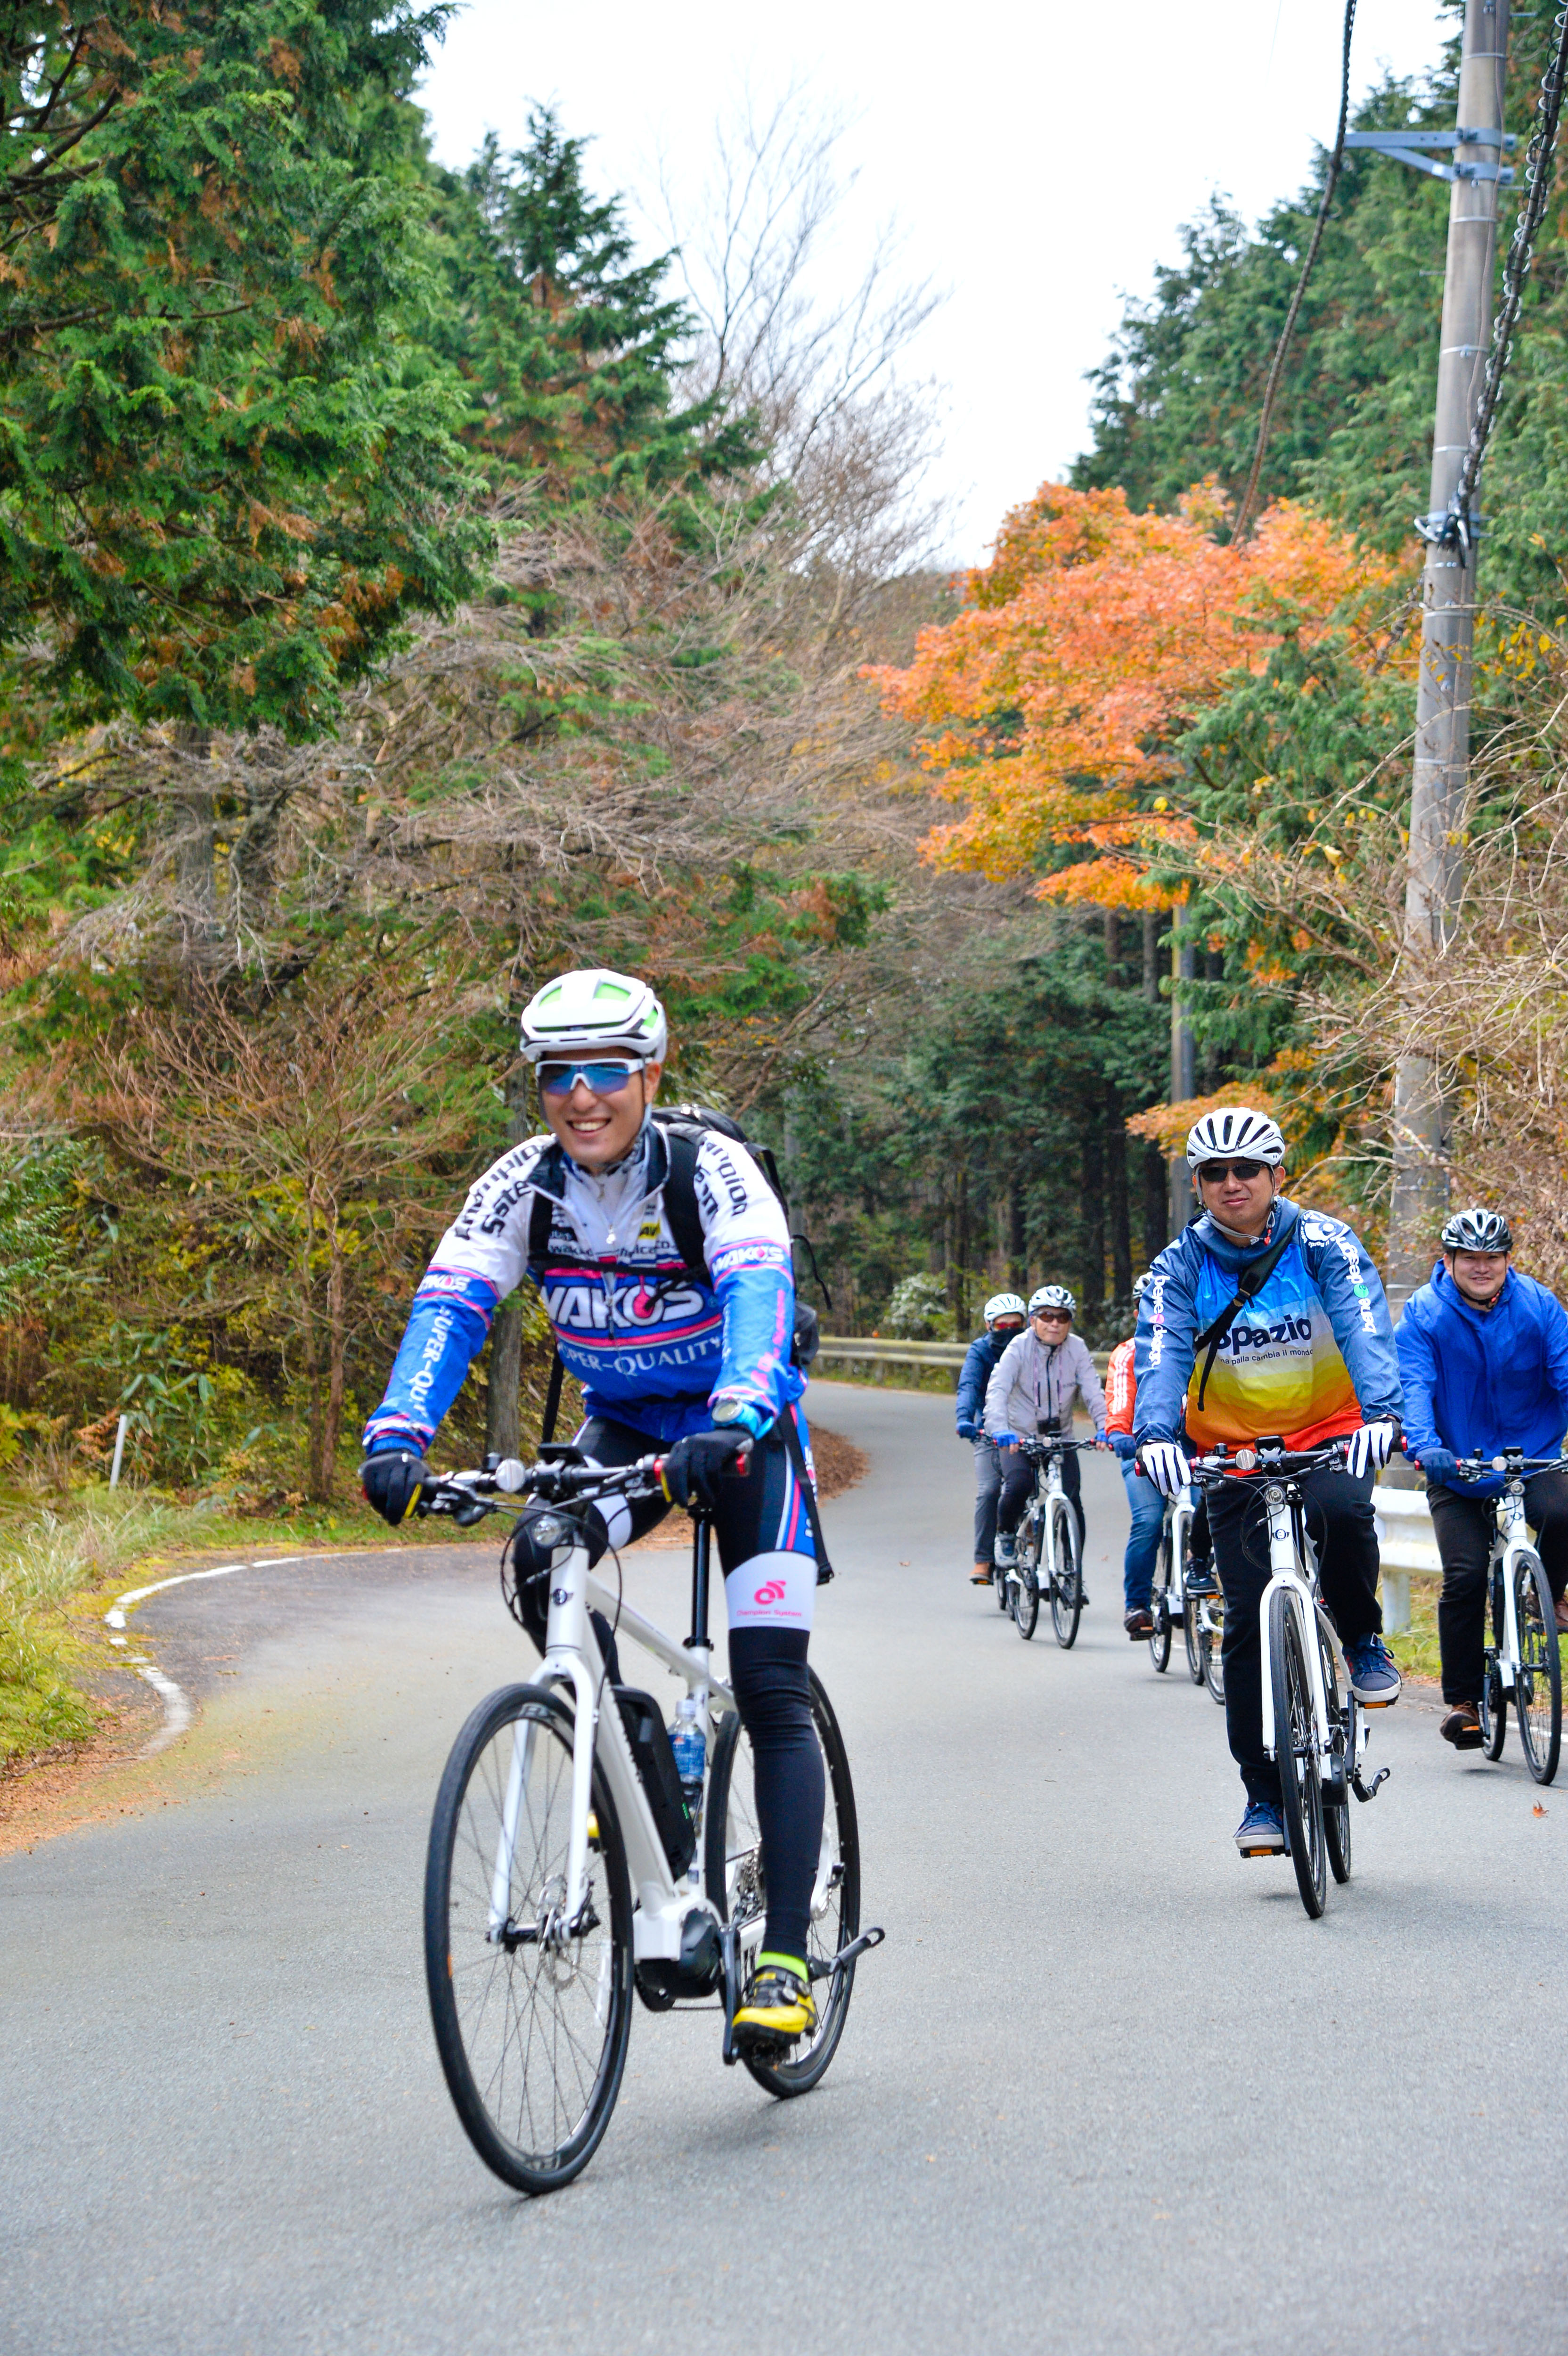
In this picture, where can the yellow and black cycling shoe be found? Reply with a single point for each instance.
(777, 2010)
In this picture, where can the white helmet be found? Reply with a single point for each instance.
(1052, 1296)
(1234, 1130)
(594, 1011)
(1141, 1284)
(1004, 1304)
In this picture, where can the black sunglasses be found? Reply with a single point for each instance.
(1213, 1172)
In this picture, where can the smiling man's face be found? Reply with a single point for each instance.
(595, 1121)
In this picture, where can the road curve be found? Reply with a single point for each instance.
(1105, 2088)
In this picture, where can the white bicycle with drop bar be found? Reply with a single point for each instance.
(1316, 1734)
(567, 1869)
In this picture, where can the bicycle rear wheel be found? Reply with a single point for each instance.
(1340, 1762)
(1159, 1605)
(732, 1865)
(1025, 1591)
(1211, 1617)
(1296, 1753)
(1494, 1710)
(1538, 1680)
(1066, 1574)
(531, 2013)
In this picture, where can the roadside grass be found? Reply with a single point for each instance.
(1416, 1649)
(58, 1551)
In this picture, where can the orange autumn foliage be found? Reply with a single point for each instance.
(1094, 634)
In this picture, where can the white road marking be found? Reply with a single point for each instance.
(177, 1711)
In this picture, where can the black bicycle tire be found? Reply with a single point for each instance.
(1026, 1599)
(502, 2157)
(786, 2079)
(1159, 1607)
(1301, 1796)
(1541, 1762)
(1066, 1609)
(1191, 1617)
(1494, 1713)
(1214, 1651)
(1337, 1807)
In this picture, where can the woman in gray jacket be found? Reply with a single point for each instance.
(1031, 1394)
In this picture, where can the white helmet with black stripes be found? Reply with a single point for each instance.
(1234, 1130)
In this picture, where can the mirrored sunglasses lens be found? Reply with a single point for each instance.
(602, 1079)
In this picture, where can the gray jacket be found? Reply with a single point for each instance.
(1035, 1384)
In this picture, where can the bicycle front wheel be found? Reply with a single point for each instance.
(1066, 1575)
(1160, 1606)
(1025, 1587)
(1296, 1753)
(1538, 1680)
(1339, 1765)
(531, 2010)
(733, 1864)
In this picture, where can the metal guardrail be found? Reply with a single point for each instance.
(870, 1350)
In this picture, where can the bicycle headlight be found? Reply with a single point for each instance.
(548, 1529)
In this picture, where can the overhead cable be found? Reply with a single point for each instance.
(1457, 527)
(1249, 497)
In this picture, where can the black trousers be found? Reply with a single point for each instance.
(1465, 1526)
(1339, 1524)
(1018, 1488)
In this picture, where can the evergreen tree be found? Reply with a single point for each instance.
(224, 480)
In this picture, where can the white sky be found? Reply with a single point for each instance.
(1039, 159)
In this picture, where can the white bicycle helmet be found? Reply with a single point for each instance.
(594, 1012)
(1234, 1130)
(1141, 1284)
(1478, 1230)
(1004, 1304)
(1052, 1296)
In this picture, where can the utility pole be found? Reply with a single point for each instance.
(1183, 1072)
(1442, 696)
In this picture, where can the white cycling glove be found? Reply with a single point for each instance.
(1370, 1447)
(1165, 1465)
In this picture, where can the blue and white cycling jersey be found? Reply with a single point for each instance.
(649, 1341)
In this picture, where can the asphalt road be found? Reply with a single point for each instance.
(1103, 2089)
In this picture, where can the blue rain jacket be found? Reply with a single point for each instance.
(1484, 1382)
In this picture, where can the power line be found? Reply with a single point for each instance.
(1245, 513)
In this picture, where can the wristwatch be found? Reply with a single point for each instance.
(730, 1408)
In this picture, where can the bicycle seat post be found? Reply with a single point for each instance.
(701, 1541)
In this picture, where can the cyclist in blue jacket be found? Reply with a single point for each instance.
(1005, 1315)
(1484, 1354)
(1310, 1358)
(670, 1357)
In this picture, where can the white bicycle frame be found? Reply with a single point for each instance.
(1178, 1518)
(1511, 1545)
(1044, 1501)
(1293, 1567)
(572, 1658)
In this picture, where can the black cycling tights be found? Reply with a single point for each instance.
(772, 1693)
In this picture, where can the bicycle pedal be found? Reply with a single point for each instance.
(1370, 1791)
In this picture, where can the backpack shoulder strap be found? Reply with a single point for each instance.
(680, 1198)
(540, 1214)
(1249, 1284)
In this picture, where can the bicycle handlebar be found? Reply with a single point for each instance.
(1508, 1459)
(467, 1496)
(1265, 1461)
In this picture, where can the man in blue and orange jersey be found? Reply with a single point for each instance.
(1311, 1359)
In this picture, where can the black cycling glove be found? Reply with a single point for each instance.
(695, 1464)
(391, 1479)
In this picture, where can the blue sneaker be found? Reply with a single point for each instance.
(1374, 1680)
(1261, 1832)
